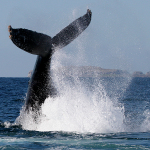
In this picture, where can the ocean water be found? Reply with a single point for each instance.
(89, 113)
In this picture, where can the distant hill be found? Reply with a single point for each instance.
(92, 71)
(141, 74)
(89, 71)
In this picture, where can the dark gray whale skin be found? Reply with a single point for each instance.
(41, 85)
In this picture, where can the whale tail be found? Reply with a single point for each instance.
(41, 44)
(41, 84)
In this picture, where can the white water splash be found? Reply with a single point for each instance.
(78, 111)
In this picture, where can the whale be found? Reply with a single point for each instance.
(40, 84)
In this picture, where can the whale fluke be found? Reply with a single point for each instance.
(68, 34)
(41, 85)
(31, 41)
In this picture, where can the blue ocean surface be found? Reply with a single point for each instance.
(90, 113)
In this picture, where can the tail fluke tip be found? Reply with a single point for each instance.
(9, 28)
(89, 11)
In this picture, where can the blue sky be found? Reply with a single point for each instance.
(117, 38)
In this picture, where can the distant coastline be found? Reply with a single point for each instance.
(92, 71)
